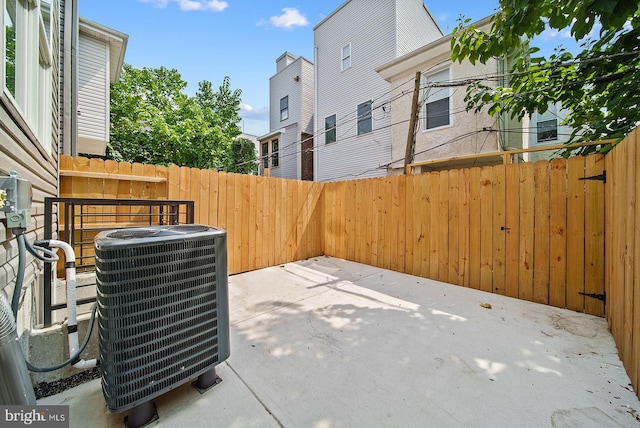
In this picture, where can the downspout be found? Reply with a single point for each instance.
(66, 11)
(74, 78)
(316, 129)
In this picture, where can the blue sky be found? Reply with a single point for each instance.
(211, 39)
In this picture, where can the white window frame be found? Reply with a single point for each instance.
(365, 117)
(268, 157)
(274, 145)
(284, 112)
(345, 58)
(328, 130)
(33, 71)
(434, 94)
(264, 156)
(539, 129)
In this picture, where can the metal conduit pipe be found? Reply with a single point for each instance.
(15, 384)
(72, 318)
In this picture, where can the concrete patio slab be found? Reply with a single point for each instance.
(330, 343)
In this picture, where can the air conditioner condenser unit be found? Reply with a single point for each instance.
(163, 312)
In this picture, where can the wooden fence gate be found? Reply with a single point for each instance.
(530, 231)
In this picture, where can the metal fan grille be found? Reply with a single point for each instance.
(156, 231)
(158, 317)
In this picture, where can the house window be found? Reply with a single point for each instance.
(346, 57)
(547, 130)
(284, 108)
(45, 8)
(330, 129)
(26, 72)
(275, 155)
(265, 155)
(437, 100)
(364, 118)
(10, 46)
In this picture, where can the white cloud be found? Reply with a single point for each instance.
(565, 33)
(290, 18)
(158, 3)
(192, 5)
(552, 33)
(247, 111)
(443, 17)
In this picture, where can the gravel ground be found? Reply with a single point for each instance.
(45, 389)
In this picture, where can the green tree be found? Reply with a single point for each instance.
(600, 85)
(242, 156)
(154, 121)
(220, 108)
(10, 56)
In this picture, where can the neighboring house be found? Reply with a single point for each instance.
(287, 150)
(353, 113)
(36, 102)
(100, 58)
(330, 120)
(546, 129)
(253, 139)
(445, 129)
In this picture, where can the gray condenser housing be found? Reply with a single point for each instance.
(163, 311)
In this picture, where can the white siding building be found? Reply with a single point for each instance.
(287, 151)
(352, 101)
(100, 57)
(445, 129)
(547, 129)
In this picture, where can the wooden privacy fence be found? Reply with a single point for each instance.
(534, 231)
(530, 231)
(269, 221)
(623, 252)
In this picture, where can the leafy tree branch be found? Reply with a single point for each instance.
(599, 86)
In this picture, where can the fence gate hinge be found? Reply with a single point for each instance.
(602, 296)
(602, 177)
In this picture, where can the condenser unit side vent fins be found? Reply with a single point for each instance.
(162, 309)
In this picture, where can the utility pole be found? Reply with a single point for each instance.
(411, 137)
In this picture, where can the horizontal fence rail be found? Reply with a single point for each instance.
(81, 219)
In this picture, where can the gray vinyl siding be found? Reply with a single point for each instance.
(55, 29)
(93, 89)
(300, 93)
(416, 26)
(21, 151)
(284, 61)
(289, 147)
(61, 89)
(284, 84)
(306, 119)
(339, 92)
(66, 129)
